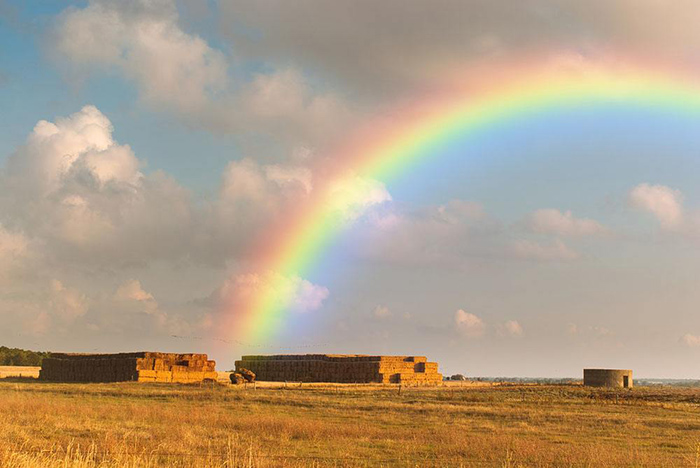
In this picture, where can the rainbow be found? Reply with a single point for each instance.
(389, 149)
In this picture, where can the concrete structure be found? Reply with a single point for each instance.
(612, 378)
(342, 368)
(140, 366)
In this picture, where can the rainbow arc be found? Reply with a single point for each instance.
(303, 236)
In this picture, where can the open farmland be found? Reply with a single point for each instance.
(19, 371)
(130, 424)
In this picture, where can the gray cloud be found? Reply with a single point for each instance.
(303, 72)
(552, 221)
(460, 231)
(181, 73)
(550, 251)
(393, 46)
(443, 234)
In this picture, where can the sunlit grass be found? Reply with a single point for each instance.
(129, 424)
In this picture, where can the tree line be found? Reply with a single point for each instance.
(20, 357)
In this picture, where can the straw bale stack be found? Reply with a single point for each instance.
(342, 368)
(140, 366)
(237, 378)
(247, 374)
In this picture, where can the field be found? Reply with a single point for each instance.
(149, 425)
(19, 371)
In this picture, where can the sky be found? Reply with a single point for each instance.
(147, 145)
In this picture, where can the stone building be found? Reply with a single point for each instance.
(612, 378)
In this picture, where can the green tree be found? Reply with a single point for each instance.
(20, 357)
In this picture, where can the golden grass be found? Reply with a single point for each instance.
(153, 425)
(19, 371)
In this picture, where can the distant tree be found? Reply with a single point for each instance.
(458, 377)
(20, 357)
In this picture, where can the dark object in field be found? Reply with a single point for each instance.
(458, 377)
(236, 378)
(247, 374)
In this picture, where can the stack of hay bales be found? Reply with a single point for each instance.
(342, 368)
(141, 366)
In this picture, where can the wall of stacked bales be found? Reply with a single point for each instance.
(139, 366)
(342, 368)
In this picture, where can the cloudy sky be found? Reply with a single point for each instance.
(146, 144)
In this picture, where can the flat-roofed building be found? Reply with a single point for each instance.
(612, 378)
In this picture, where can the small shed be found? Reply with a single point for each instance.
(612, 378)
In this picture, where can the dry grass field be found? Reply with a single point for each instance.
(152, 425)
(19, 371)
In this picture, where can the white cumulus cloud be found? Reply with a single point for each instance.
(132, 291)
(665, 203)
(82, 193)
(296, 293)
(511, 328)
(352, 195)
(381, 311)
(692, 341)
(80, 144)
(469, 324)
(144, 41)
(251, 197)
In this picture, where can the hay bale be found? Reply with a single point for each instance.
(340, 368)
(248, 375)
(236, 378)
(138, 366)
